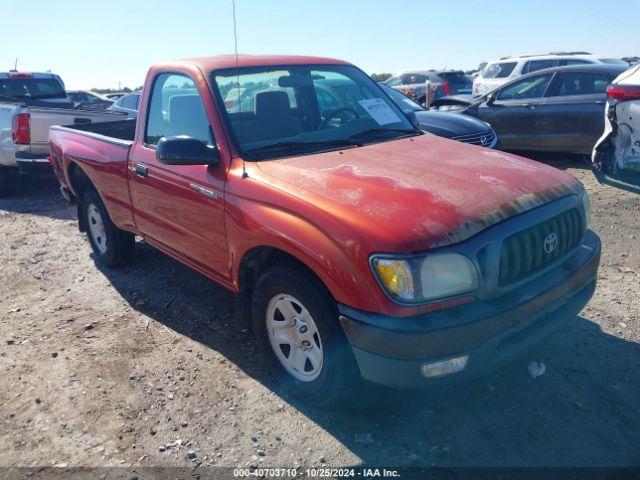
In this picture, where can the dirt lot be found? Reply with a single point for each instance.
(140, 367)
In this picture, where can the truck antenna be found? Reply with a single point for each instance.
(235, 47)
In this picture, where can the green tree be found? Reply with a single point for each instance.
(380, 77)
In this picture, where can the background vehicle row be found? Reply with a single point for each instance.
(501, 71)
(29, 104)
(558, 109)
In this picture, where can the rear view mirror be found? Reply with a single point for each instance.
(185, 150)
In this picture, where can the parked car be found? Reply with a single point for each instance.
(449, 125)
(127, 104)
(557, 109)
(87, 99)
(357, 245)
(445, 82)
(616, 156)
(114, 96)
(505, 69)
(29, 104)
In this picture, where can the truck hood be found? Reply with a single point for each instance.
(427, 190)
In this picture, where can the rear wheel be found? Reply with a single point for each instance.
(8, 181)
(296, 325)
(112, 246)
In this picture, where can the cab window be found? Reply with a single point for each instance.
(581, 83)
(131, 102)
(176, 108)
(535, 65)
(533, 87)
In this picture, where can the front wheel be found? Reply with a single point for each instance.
(112, 246)
(296, 324)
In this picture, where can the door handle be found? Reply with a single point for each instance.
(528, 105)
(141, 170)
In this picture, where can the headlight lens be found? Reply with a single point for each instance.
(586, 206)
(425, 278)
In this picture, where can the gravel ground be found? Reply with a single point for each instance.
(141, 367)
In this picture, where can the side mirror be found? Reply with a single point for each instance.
(183, 150)
(491, 98)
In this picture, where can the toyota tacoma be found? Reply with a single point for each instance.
(357, 246)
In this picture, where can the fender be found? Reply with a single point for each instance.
(336, 260)
(106, 169)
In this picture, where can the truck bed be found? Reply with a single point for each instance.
(119, 129)
(101, 151)
(41, 118)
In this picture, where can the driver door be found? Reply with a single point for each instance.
(514, 112)
(179, 208)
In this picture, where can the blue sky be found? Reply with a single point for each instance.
(99, 44)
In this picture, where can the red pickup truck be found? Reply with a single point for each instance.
(357, 245)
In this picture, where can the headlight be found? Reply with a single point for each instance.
(424, 278)
(586, 206)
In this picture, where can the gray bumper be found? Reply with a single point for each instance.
(29, 163)
(394, 357)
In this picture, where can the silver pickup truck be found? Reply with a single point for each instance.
(30, 103)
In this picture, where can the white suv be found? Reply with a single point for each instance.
(616, 156)
(501, 71)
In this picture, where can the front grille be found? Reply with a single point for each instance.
(476, 138)
(531, 250)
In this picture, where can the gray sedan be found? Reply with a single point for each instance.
(558, 109)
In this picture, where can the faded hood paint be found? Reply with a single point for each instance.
(427, 190)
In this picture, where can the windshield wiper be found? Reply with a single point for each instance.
(376, 130)
(343, 142)
(47, 97)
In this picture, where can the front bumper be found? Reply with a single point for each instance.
(490, 332)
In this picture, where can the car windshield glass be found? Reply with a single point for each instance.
(288, 110)
(31, 88)
(413, 78)
(532, 87)
(499, 70)
(535, 65)
(400, 99)
(459, 83)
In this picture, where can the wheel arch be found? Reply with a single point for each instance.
(253, 263)
(79, 182)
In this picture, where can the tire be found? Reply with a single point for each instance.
(112, 247)
(8, 181)
(285, 286)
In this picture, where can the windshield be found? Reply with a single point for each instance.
(498, 70)
(32, 88)
(401, 100)
(459, 83)
(289, 110)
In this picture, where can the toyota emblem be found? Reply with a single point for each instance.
(483, 140)
(550, 243)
